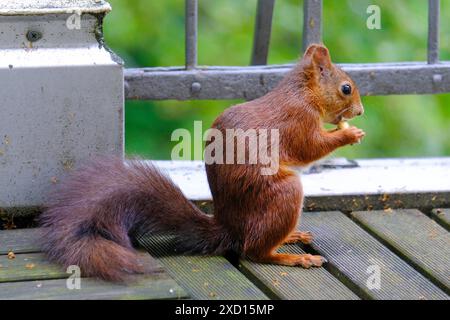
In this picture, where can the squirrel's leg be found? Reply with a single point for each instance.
(299, 236)
(268, 230)
(288, 259)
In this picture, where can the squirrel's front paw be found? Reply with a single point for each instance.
(353, 135)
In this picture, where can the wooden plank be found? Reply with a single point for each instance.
(442, 216)
(415, 237)
(19, 241)
(154, 287)
(295, 283)
(202, 277)
(29, 266)
(35, 266)
(25, 277)
(355, 257)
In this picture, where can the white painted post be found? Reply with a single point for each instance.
(61, 92)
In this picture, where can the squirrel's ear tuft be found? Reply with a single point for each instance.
(310, 50)
(318, 56)
(321, 56)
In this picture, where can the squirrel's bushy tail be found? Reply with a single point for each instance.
(89, 219)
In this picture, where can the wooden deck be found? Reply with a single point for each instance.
(409, 248)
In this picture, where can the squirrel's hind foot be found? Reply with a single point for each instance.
(303, 260)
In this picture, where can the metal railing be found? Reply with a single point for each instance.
(194, 82)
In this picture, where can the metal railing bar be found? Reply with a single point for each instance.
(191, 31)
(252, 82)
(433, 31)
(312, 22)
(263, 30)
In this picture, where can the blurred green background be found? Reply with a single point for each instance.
(150, 33)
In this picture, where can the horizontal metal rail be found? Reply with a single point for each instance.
(208, 83)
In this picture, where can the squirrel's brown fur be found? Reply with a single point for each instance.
(91, 216)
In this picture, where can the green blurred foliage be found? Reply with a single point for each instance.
(151, 33)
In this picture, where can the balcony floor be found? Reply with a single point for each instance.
(410, 250)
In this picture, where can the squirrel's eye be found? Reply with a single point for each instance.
(346, 89)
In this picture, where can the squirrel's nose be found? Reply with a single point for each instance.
(360, 111)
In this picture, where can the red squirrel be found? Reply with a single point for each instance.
(90, 220)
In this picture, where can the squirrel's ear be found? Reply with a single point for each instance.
(318, 57)
(310, 50)
(321, 56)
